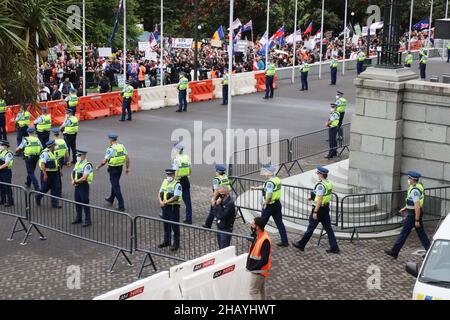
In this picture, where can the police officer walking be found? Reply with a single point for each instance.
(22, 123)
(32, 148)
(341, 107)
(182, 166)
(224, 210)
(127, 94)
(333, 70)
(183, 85)
(6, 164)
(414, 203)
(423, 63)
(50, 174)
(333, 126)
(321, 197)
(225, 87)
(70, 131)
(116, 157)
(82, 176)
(272, 206)
(169, 197)
(360, 63)
(220, 180)
(43, 125)
(409, 59)
(304, 70)
(270, 76)
(61, 149)
(3, 135)
(448, 52)
(72, 100)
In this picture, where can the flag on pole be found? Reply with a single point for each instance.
(218, 35)
(263, 39)
(155, 33)
(278, 35)
(238, 35)
(357, 29)
(236, 24)
(248, 26)
(348, 30)
(309, 29)
(116, 23)
(153, 41)
(422, 24)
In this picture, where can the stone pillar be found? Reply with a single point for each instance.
(376, 131)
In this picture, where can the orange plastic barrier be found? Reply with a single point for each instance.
(261, 81)
(201, 90)
(95, 106)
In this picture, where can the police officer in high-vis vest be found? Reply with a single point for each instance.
(127, 95)
(43, 125)
(116, 157)
(321, 197)
(360, 61)
(3, 135)
(220, 180)
(61, 149)
(414, 205)
(259, 259)
(169, 197)
(22, 123)
(341, 107)
(183, 85)
(82, 177)
(448, 52)
(409, 59)
(423, 63)
(70, 131)
(72, 100)
(270, 76)
(225, 81)
(50, 174)
(333, 127)
(6, 164)
(271, 191)
(333, 70)
(304, 70)
(183, 167)
(32, 148)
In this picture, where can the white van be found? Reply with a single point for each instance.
(433, 279)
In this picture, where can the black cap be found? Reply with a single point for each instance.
(170, 171)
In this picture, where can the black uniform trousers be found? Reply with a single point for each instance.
(171, 213)
(304, 80)
(333, 75)
(3, 134)
(274, 210)
(6, 191)
(30, 163)
(225, 94)
(423, 69)
(359, 67)
(71, 141)
(341, 120)
(53, 184)
(332, 132)
(43, 137)
(21, 133)
(82, 196)
(114, 177)
(408, 225)
(126, 108)
(186, 195)
(269, 86)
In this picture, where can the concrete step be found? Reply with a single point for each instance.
(337, 187)
(343, 167)
(338, 177)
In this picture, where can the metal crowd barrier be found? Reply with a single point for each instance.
(19, 209)
(109, 228)
(194, 241)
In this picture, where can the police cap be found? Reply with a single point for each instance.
(50, 143)
(220, 168)
(81, 152)
(340, 93)
(414, 175)
(31, 130)
(170, 171)
(178, 146)
(113, 136)
(322, 170)
(55, 130)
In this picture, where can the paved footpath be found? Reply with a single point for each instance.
(39, 269)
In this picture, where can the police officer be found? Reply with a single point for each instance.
(409, 59)
(32, 148)
(22, 123)
(321, 197)
(341, 104)
(182, 166)
(448, 52)
(225, 86)
(333, 126)
(304, 70)
(220, 180)
(50, 174)
(3, 107)
(333, 70)
(82, 176)
(70, 131)
(6, 164)
(116, 157)
(423, 63)
(61, 149)
(127, 94)
(414, 203)
(169, 197)
(182, 93)
(224, 210)
(43, 125)
(360, 63)
(272, 206)
(270, 76)
(72, 100)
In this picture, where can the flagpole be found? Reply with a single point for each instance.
(124, 42)
(84, 48)
(410, 24)
(429, 25)
(443, 40)
(37, 57)
(345, 37)
(162, 44)
(295, 41)
(321, 39)
(230, 83)
(267, 30)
